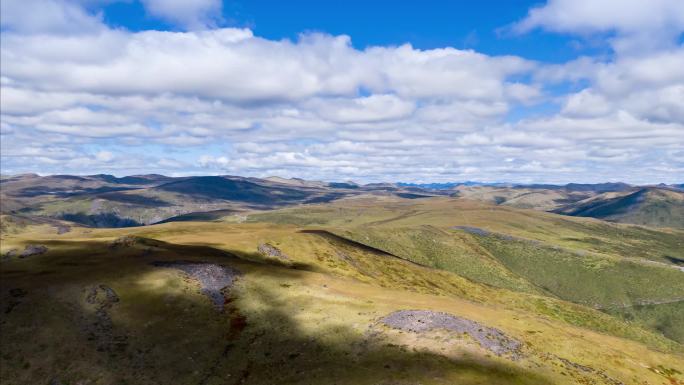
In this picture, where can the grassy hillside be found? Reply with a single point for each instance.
(588, 262)
(108, 309)
(649, 206)
(312, 295)
(660, 206)
(592, 280)
(626, 241)
(667, 317)
(538, 197)
(216, 187)
(436, 248)
(523, 197)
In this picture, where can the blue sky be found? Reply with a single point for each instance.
(479, 25)
(547, 91)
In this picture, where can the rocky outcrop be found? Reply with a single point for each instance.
(421, 321)
(270, 251)
(214, 279)
(32, 250)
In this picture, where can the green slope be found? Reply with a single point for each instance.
(429, 246)
(593, 280)
(651, 206)
(667, 318)
(593, 263)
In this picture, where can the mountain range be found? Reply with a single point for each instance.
(108, 201)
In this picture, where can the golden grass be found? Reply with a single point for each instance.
(310, 320)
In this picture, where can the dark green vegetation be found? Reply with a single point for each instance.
(576, 275)
(584, 278)
(441, 249)
(666, 317)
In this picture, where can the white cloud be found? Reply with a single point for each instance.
(48, 17)
(593, 16)
(104, 156)
(640, 25)
(364, 109)
(224, 100)
(234, 66)
(648, 87)
(586, 104)
(523, 93)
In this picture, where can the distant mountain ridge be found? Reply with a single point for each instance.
(595, 187)
(448, 185)
(105, 200)
(217, 187)
(653, 206)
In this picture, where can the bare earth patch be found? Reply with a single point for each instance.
(99, 326)
(32, 250)
(212, 278)
(420, 321)
(268, 250)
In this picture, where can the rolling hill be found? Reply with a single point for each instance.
(536, 198)
(108, 201)
(656, 206)
(585, 261)
(220, 188)
(649, 206)
(362, 290)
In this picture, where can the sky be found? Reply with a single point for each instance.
(414, 91)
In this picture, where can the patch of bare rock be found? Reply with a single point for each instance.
(268, 250)
(132, 240)
(421, 321)
(99, 326)
(212, 278)
(29, 251)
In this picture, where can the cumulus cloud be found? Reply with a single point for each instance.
(587, 16)
(48, 17)
(639, 25)
(586, 104)
(78, 96)
(363, 109)
(234, 66)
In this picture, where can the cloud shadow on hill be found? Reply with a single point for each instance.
(171, 335)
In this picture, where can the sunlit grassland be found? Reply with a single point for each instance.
(590, 262)
(314, 314)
